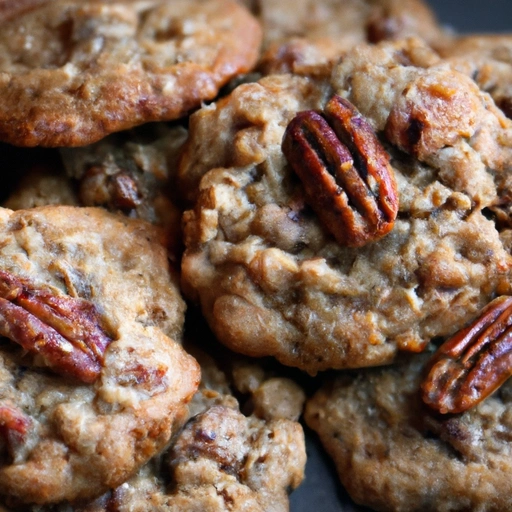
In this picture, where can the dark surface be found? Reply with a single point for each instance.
(321, 490)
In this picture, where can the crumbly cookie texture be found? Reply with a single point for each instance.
(270, 278)
(302, 35)
(222, 459)
(392, 454)
(63, 270)
(72, 72)
(130, 172)
(487, 59)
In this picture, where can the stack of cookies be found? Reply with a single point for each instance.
(224, 224)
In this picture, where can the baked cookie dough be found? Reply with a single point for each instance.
(73, 71)
(223, 459)
(393, 454)
(92, 381)
(131, 172)
(488, 60)
(304, 35)
(270, 278)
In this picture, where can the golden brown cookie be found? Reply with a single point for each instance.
(271, 276)
(393, 454)
(304, 35)
(487, 58)
(223, 459)
(131, 172)
(91, 383)
(72, 72)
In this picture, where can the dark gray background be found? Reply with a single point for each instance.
(321, 491)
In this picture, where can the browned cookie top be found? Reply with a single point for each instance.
(488, 60)
(72, 72)
(223, 459)
(301, 35)
(269, 275)
(392, 454)
(91, 384)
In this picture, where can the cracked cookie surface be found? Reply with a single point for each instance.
(307, 34)
(72, 72)
(269, 277)
(392, 454)
(72, 429)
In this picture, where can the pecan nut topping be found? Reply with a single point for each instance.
(473, 363)
(345, 171)
(65, 332)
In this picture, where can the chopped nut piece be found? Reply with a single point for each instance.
(14, 424)
(474, 363)
(345, 171)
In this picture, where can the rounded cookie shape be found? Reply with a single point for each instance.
(392, 454)
(91, 384)
(72, 72)
(222, 459)
(271, 279)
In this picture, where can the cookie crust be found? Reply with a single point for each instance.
(269, 278)
(392, 454)
(72, 72)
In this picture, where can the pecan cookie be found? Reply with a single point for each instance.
(130, 172)
(274, 277)
(91, 384)
(72, 72)
(303, 35)
(42, 185)
(488, 60)
(222, 459)
(393, 454)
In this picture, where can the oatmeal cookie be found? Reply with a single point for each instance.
(270, 278)
(132, 173)
(488, 60)
(222, 459)
(393, 454)
(71, 72)
(91, 383)
(303, 35)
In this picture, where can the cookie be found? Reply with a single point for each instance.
(223, 459)
(72, 72)
(42, 185)
(270, 276)
(392, 453)
(303, 36)
(488, 60)
(92, 381)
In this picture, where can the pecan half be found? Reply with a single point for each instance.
(473, 363)
(346, 174)
(66, 332)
